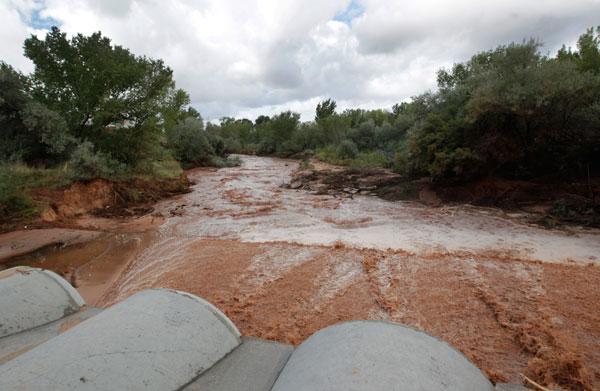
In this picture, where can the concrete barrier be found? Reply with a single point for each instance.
(168, 340)
(33, 297)
(154, 340)
(378, 356)
(14, 345)
(253, 366)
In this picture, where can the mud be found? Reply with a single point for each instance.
(284, 263)
(104, 198)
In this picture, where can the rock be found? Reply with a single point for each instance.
(295, 185)
(49, 215)
(178, 210)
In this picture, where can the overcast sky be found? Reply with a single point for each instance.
(248, 57)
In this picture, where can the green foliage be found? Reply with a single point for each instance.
(230, 161)
(87, 163)
(30, 131)
(97, 110)
(93, 110)
(273, 136)
(190, 144)
(509, 111)
(325, 109)
(93, 85)
(15, 181)
(347, 149)
(14, 203)
(587, 57)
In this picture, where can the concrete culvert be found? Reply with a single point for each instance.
(155, 340)
(33, 297)
(378, 356)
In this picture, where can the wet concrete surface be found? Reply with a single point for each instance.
(283, 264)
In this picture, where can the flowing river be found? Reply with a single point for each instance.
(284, 263)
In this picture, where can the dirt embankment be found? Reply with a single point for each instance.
(105, 198)
(545, 203)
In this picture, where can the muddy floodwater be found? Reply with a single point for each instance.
(281, 263)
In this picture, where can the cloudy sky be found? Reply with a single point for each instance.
(248, 57)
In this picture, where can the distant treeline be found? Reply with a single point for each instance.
(510, 112)
(91, 109)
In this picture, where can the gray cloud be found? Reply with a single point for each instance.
(245, 58)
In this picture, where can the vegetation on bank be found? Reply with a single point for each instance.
(511, 112)
(93, 110)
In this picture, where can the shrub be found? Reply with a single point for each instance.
(88, 164)
(230, 161)
(13, 202)
(346, 150)
(189, 143)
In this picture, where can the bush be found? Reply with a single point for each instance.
(89, 164)
(231, 161)
(189, 143)
(16, 179)
(14, 203)
(346, 150)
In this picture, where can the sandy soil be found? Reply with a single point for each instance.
(283, 263)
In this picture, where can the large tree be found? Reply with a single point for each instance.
(92, 83)
(29, 131)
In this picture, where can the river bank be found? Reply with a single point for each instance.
(283, 263)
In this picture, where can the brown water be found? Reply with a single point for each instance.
(284, 263)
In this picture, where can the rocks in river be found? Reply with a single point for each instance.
(295, 184)
(178, 210)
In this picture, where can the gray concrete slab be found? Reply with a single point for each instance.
(32, 297)
(14, 345)
(511, 387)
(154, 340)
(378, 356)
(252, 366)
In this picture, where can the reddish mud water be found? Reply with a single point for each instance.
(282, 264)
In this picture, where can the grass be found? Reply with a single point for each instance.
(17, 179)
(167, 168)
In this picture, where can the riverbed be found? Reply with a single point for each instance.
(283, 263)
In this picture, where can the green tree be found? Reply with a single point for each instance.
(175, 108)
(190, 143)
(587, 56)
(325, 109)
(30, 131)
(93, 84)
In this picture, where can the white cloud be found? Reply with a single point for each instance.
(243, 58)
